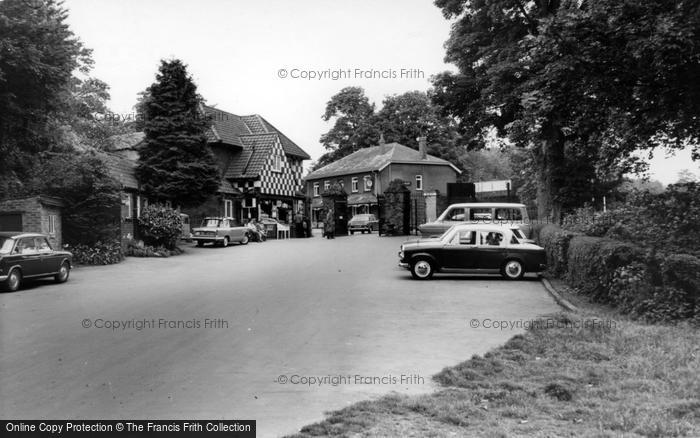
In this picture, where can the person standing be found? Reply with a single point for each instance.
(329, 225)
(299, 224)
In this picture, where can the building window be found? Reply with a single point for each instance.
(277, 163)
(52, 224)
(228, 208)
(354, 185)
(315, 189)
(368, 183)
(419, 182)
(127, 206)
(326, 185)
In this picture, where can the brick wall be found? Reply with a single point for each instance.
(36, 213)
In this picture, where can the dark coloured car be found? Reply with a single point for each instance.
(28, 256)
(363, 223)
(473, 249)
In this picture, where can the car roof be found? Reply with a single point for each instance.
(19, 234)
(486, 227)
(487, 204)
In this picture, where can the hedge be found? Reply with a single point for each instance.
(637, 281)
(97, 254)
(556, 243)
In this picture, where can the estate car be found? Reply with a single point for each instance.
(501, 213)
(28, 256)
(473, 248)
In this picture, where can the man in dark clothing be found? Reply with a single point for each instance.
(299, 224)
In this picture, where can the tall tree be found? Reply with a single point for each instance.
(582, 84)
(402, 119)
(175, 163)
(38, 55)
(354, 127)
(405, 117)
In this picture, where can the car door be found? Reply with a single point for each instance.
(29, 258)
(50, 261)
(460, 252)
(491, 250)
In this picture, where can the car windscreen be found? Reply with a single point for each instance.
(211, 222)
(5, 245)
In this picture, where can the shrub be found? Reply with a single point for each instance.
(160, 226)
(97, 254)
(556, 243)
(592, 262)
(139, 249)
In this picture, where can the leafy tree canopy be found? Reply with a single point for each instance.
(175, 163)
(574, 81)
(402, 119)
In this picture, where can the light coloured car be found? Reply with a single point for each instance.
(363, 223)
(220, 231)
(473, 248)
(501, 213)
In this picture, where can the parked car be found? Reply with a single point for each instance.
(220, 231)
(480, 213)
(363, 223)
(473, 248)
(26, 256)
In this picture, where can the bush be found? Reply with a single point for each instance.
(97, 254)
(139, 249)
(592, 262)
(160, 226)
(556, 244)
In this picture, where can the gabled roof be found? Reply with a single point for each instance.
(256, 150)
(229, 128)
(122, 142)
(376, 158)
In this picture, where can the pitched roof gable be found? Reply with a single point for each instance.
(376, 158)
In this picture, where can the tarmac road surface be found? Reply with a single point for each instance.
(278, 332)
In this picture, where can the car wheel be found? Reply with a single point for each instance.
(225, 244)
(63, 273)
(13, 280)
(422, 269)
(352, 232)
(200, 243)
(245, 239)
(513, 270)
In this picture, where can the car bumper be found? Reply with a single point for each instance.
(208, 238)
(3, 277)
(403, 265)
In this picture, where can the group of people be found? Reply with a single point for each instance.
(258, 232)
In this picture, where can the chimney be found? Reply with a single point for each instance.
(422, 147)
(382, 142)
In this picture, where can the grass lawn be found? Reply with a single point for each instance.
(618, 379)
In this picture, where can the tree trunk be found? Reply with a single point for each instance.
(549, 167)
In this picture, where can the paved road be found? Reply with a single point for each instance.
(296, 308)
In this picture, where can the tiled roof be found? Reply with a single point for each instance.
(376, 158)
(123, 169)
(257, 148)
(229, 128)
(125, 141)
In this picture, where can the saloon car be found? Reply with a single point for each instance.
(473, 248)
(497, 213)
(363, 223)
(26, 256)
(220, 231)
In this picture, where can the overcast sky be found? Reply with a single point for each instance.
(236, 50)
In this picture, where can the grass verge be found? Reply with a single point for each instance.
(563, 378)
